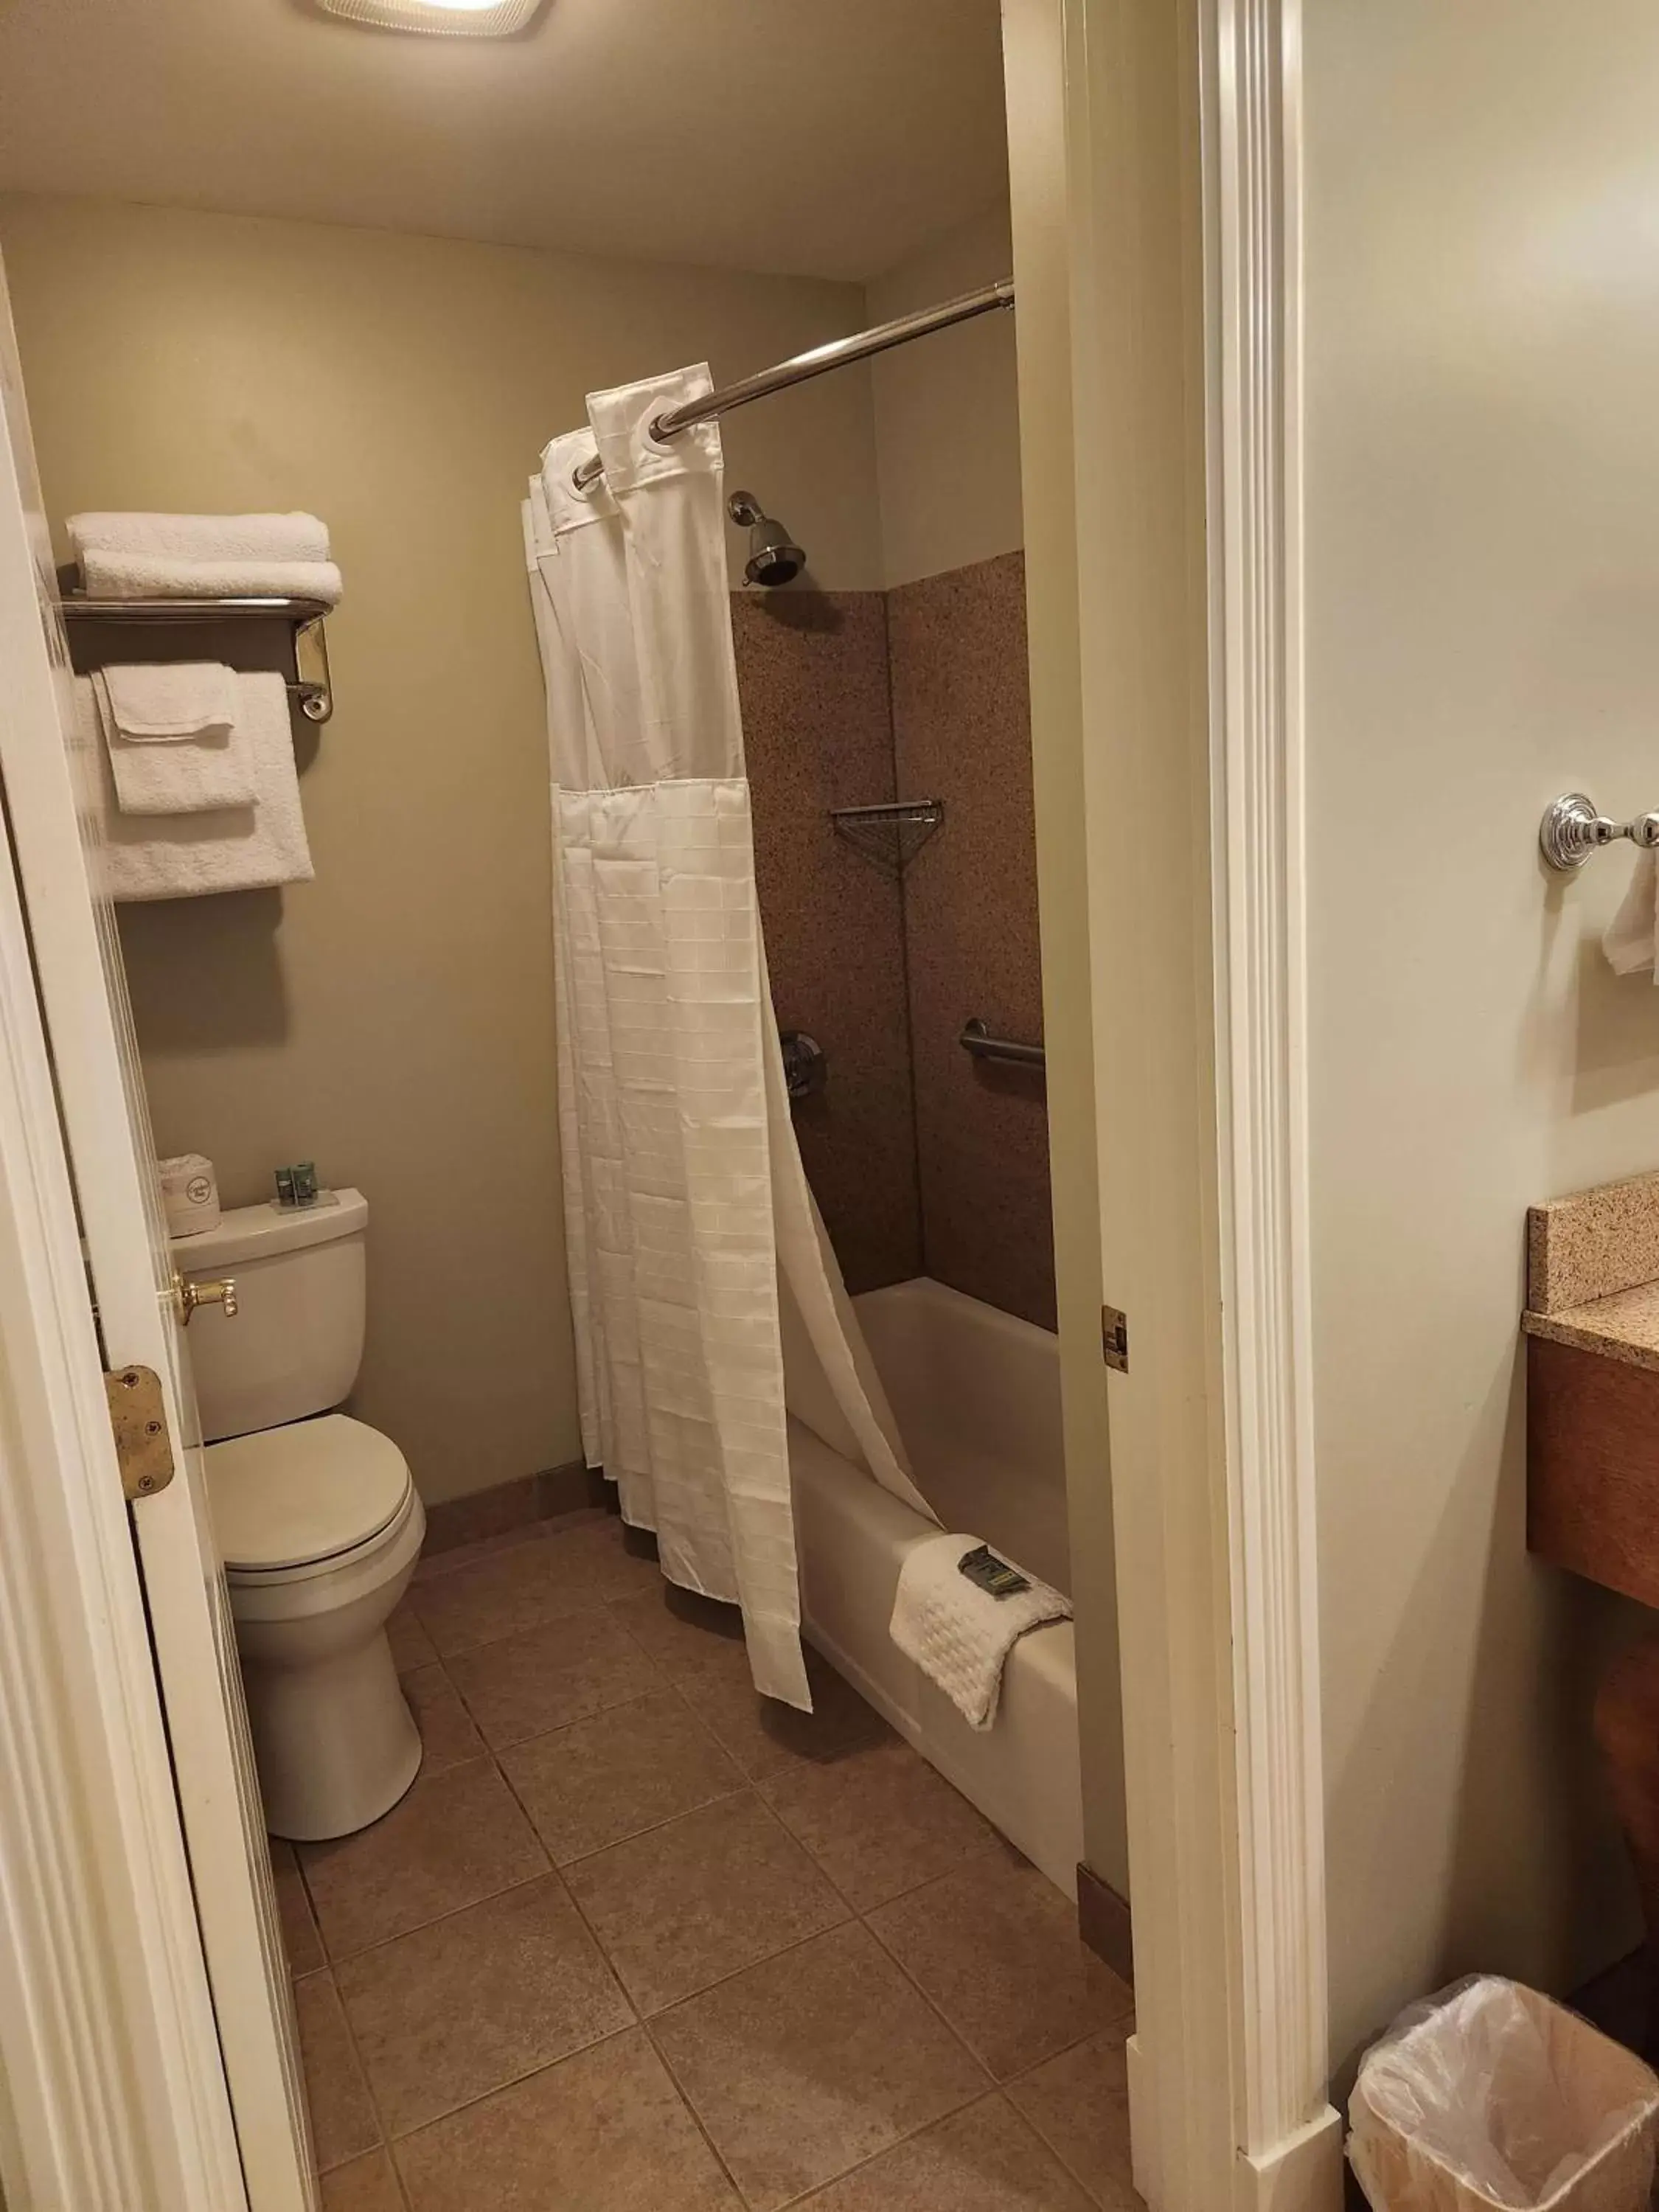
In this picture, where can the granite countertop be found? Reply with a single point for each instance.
(1625, 1326)
(1593, 1271)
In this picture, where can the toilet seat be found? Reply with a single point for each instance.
(308, 1499)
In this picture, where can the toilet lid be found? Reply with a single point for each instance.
(281, 1498)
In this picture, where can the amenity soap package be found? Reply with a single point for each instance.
(1490, 2095)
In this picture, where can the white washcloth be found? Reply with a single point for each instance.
(165, 699)
(157, 576)
(959, 1634)
(231, 849)
(187, 774)
(1631, 938)
(202, 536)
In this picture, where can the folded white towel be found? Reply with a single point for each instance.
(202, 536)
(157, 576)
(188, 775)
(1631, 938)
(959, 1634)
(163, 700)
(232, 848)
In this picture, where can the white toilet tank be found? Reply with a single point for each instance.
(297, 1342)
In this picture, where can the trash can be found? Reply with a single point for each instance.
(1489, 2096)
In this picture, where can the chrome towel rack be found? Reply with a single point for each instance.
(978, 1043)
(312, 686)
(1574, 827)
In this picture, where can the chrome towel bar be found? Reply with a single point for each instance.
(976, 1040)
(1574, 827)
(312, 686)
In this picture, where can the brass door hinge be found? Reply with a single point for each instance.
(1114, 1339)
(141, 1442)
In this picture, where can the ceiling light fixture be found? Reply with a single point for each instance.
(453, 18)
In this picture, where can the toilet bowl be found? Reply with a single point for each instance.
(320, 1527)
(318, 1521)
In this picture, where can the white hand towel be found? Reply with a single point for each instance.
(1631, 938)
(231, 849)
(168, 699)
(202, 536)
(157, 576)
(175, 775)
(959, 1634)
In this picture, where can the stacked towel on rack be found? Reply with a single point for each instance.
(173, 738)
(205, 556)
(190, 852)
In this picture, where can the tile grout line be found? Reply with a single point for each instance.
(834, 2180)
(673, 1684)
(552, 1872)
(1035, 2125)
(639, 2020)
(384, 2143)
(471, 2103)
(695, 2117)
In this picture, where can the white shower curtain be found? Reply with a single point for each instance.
(694, 1248)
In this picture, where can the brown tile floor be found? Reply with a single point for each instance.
(638, 1941)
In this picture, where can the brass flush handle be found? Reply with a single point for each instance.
(188, 1295)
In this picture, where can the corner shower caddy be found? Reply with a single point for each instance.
(311, 685)
(892, 833)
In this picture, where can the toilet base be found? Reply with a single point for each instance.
(335, 1743)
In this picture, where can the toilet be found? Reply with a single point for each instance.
(318, 1521)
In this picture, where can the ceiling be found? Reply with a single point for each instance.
(817, 137)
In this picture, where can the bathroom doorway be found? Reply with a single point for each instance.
(942, 660)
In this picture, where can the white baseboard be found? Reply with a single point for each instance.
(1302, 2174)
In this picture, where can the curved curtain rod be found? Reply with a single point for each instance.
(837, 354)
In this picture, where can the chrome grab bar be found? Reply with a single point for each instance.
(976, 1039)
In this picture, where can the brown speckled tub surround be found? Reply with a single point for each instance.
(922, 1159)
(962, 732)
(1593, 1271)
(813, 677)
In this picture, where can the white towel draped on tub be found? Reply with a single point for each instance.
(158, 856)
(959, 1634)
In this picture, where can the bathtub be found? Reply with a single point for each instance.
(977, 1394)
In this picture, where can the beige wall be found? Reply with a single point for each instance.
(394, 1020)
(1035, 72)
(947, 412)
(1483, 558)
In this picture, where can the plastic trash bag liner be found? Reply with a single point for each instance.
(1491, 2095)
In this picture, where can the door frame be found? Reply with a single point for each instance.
(114, 2049)
(114, 2091)
(1180, 315)
(1155, 160)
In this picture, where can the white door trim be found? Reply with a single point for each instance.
(1251, 138)
(108, 2050)
(1181, 224)
(108, 2039)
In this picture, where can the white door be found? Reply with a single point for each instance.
(100, 1090)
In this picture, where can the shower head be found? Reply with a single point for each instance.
(773, 557)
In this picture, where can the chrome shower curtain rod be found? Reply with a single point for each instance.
(837, 355)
